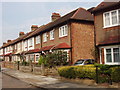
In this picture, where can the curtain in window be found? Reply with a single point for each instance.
(116, 53)
(107, 19)
(108, 55)
(119, 16)
(114, 17)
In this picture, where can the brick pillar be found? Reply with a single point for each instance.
(102, 54)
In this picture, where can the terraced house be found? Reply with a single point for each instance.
(107, 31)
(72, 33)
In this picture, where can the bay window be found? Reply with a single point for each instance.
(112, 55)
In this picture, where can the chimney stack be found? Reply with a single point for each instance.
(55, 16)
(4, 43)
(34, 27)
(8, 40)
(21, 34)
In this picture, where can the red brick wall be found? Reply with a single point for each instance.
(57, 40)
(82, 41)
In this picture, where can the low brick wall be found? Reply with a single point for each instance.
(32, 69)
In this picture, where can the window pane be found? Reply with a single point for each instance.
(116, 54)
(114, 17)
(108, 55)
(119, 15)
(66, 30)
(107, 19)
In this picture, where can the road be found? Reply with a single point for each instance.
(10, 82)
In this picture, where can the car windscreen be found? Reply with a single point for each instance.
(79, 62)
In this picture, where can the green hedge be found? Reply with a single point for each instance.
(89, 71)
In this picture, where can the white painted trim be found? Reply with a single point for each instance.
(110, 47)
(111, 19)
(61, 31)
(52, 34)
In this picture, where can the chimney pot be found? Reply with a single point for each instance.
(4, 43)
(34, 27)
(21, 34)
(55, 16)
(8, 40)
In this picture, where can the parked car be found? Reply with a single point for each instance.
(84, 62)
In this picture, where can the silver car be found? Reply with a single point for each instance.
(84, 62)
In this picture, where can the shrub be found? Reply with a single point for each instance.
(87, 71)
(105, 72)
(115, 74)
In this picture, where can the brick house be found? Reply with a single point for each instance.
(107, 32)
(72, 33)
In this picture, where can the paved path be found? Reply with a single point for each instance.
(43, 81)
(10, 82)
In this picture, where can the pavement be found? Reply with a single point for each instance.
(45, 81)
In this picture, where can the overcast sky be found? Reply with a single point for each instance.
(19, 16)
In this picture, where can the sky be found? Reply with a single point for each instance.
(19, 16)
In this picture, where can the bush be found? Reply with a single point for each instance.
(105, 72)
(115, 74)
(87, 71)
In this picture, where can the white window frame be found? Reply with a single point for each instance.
(118, 19)
(37, 39)
(63, 31)
(30, 42)
(45, 37)
(111, 47)
(15, 46)
(25, 44)
(52, 35)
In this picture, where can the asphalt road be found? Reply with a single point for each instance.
(10, 82)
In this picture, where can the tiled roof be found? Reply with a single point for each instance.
(104, 5)
(78, 14)
(46, 48)
(21, 37)
(17, 40)
(7, 44)
(111, 40)
(33, 51)
(62, 46)
(8, 54)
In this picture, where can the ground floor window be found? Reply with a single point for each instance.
(37, 57)
(26, 58)
(32, 57)
(112, 55)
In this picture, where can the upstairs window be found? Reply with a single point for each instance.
(119, 16)
(63, 31)
(114, 17)
(25, 44)
(107, 19)
(45, 37)
(15, 46)
(52, 35)
(30, 42)
(111, 18)
(37, 39)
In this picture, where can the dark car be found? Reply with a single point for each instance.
(84, 61)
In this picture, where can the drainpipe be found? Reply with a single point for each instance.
(70, 41)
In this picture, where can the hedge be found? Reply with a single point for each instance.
(105, 72)
(87, 71)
